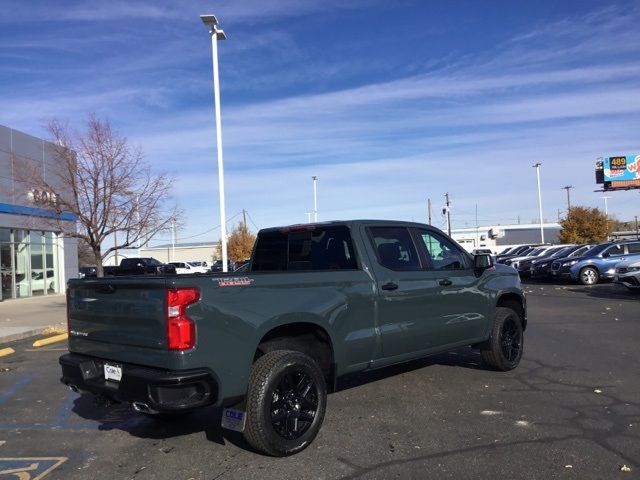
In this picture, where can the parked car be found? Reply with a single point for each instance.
(596, 264)
(628, 274)
(523, 265)
(541, 267)
(516, 252)
(319, 302)
(535, 253)
(217, 266)
(87, 272)
(38, 282)
(140, 266)
(183, 268)
(198, 263)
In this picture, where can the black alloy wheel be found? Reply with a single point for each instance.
(504, 348)
(286, 402)
(511, 340)
(294, 403)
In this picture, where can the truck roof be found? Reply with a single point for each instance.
(348, 223)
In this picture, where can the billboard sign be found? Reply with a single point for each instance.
(620, 172)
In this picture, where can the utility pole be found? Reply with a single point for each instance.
(173, 240)
(448, 212)
(429, 209)
(606, 206)
(559, 215)
(637, 232)
(244, 218)
(567, 188)
(315, 199)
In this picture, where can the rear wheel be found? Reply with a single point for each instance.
(286, 402)
(504, 349)
(589, 276)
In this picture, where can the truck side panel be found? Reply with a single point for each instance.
(233, 315)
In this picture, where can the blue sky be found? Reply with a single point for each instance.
(387, 105)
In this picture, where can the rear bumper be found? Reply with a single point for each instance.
(159, 390)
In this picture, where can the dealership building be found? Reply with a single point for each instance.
(35, 257)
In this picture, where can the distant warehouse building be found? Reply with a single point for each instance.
(499, 237)
(35, 257)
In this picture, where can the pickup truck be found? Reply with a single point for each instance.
(140, 266)
(317, 302)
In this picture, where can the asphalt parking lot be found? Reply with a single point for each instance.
(571, 411)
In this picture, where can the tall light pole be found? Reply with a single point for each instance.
(315, 199)
(537, 167)
(567, 188)
(217, 34)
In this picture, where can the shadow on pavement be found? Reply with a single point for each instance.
(122, 416)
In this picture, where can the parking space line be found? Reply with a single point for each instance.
(22, 381)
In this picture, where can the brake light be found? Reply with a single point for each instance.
(181, 331)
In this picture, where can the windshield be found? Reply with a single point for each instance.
(596, 249)
(153, 262)
(580, 251)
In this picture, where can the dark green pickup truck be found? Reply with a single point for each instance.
(316, 302)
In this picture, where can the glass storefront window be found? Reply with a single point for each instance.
(21, 263)
(29, 263)
(6, 267)
(51, 261)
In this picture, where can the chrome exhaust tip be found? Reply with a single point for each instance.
(143, 408)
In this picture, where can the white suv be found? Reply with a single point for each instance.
(183, 268)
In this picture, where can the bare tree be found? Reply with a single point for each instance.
(106, 183)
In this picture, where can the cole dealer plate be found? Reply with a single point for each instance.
(112, 372)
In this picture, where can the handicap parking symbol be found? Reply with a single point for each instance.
(31, 468)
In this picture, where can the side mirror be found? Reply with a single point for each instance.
(482, 261)
(606, 254)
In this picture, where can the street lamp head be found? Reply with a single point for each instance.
(212, 22)
(536, 165)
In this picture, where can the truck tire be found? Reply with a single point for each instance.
(503, 351)
(589, 276)
(286, 402)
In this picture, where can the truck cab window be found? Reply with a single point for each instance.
(394, 248)
(443, 253)
(320, 248)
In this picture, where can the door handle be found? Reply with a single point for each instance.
(389, 286)
(445, 282)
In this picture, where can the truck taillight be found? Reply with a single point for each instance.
(181, 331)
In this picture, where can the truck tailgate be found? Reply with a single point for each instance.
(123, 311)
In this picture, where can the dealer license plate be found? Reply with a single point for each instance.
(112, 372)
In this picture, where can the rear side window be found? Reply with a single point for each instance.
(615, 251)
(634, 247)
(394, 248)
(323, 248)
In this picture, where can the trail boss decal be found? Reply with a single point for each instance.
(234, 282)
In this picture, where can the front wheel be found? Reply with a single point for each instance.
(503, 351)
(286, 402)
(589, 276)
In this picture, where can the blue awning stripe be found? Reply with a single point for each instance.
(36, 212)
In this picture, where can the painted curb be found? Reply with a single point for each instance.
(6, 351)
(48, 341)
